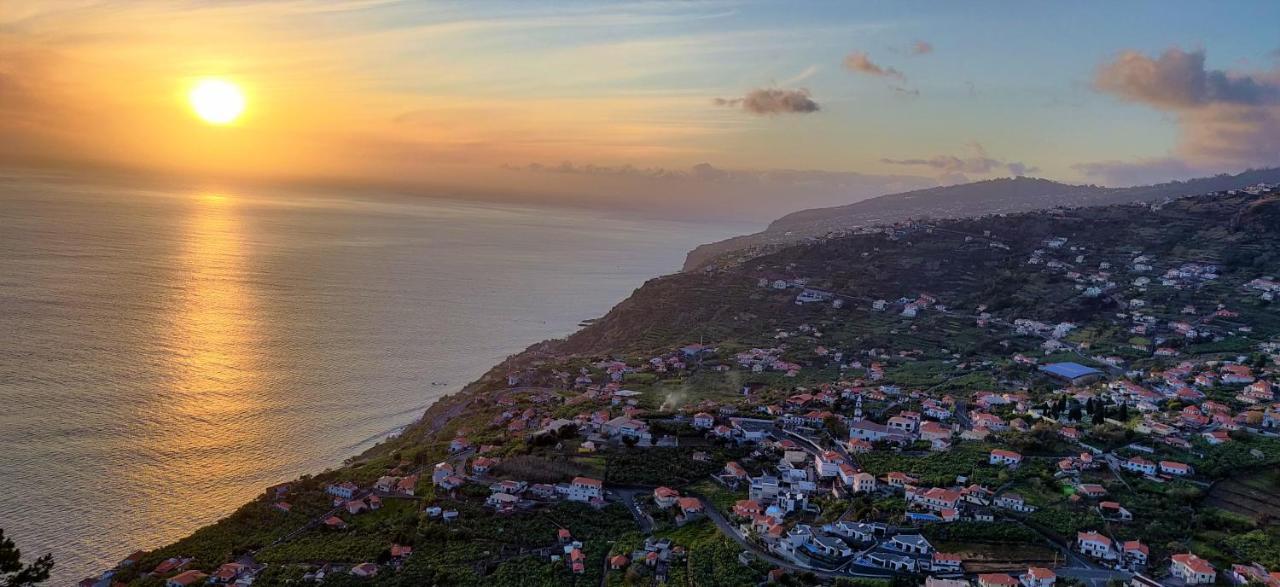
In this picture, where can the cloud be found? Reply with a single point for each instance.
(1178, 79)
(921, 48)
(859, 62)
(951, 167)
(771, 101)
(1141, 172)
(1225, 119)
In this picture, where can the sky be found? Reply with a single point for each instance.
(741, 109)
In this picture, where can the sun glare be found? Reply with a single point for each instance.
(217, 101)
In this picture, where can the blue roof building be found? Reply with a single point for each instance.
(1073, 372)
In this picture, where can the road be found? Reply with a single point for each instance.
(628, 498)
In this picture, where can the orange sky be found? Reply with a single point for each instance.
(493, 97)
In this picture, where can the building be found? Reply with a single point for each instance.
(1038, 577)
(996, 580)
(665, 497)
(910, 543)
(345, 490)
(186, 578)
(1095, 545)
(582, 489)
(1139, 465)
(1001, 456)
(1192, 569)
(1073, 373)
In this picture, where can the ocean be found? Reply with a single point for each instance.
(166, 353)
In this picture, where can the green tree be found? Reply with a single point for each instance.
(15, 574)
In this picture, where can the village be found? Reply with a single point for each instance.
(1064, 452)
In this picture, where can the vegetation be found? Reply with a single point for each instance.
(15, 573)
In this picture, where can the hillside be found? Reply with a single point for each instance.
(997, 196)
(920, 351)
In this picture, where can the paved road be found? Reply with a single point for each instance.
(628, 498)
(1094, 577)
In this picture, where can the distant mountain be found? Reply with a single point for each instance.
(996, 196)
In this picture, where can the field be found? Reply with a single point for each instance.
(1001, 557)
(1256, 496)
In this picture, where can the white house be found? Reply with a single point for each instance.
(583, 489)
(1001, 456)
(1175, 468)
(1038, 577)
(1095, 545)
(912, 543)
(1192, 569)
(345, 490)
(1139, 465)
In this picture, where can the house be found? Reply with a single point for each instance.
(502, 501)
(1216, 437)
(1237, 374)
(451, 482)
(170, 565)
(364, 570)
(863, 482)
(1095, 545)
(1038, 577)
(345, 490)
(1192, 569)
(619, 562)
(910, 543)
(828, 547)
(935, 498)
(1113, 511)
(1139, 465)
(934, 431)
(943, 562)
(996, 580)
(873, 432)
(735, 471)
(584, 489)
(704, 421)
(665, 497)
(1091, 490)
(459, 444)
(227, 573)
(1015, 502)
(828, 464)
(441, 471)
(186, 578)
(335, 522)
(481, 465)
(1001, 456)
(746, 508)
(1136, 554)
(1175, 468)
(859, 446)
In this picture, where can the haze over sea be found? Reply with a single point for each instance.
(166, 354)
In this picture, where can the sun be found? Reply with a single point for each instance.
(217, 101)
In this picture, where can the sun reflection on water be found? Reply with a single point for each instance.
(214, 403)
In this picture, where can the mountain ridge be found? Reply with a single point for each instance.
(993, 196)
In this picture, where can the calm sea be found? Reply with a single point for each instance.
(165, 354)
